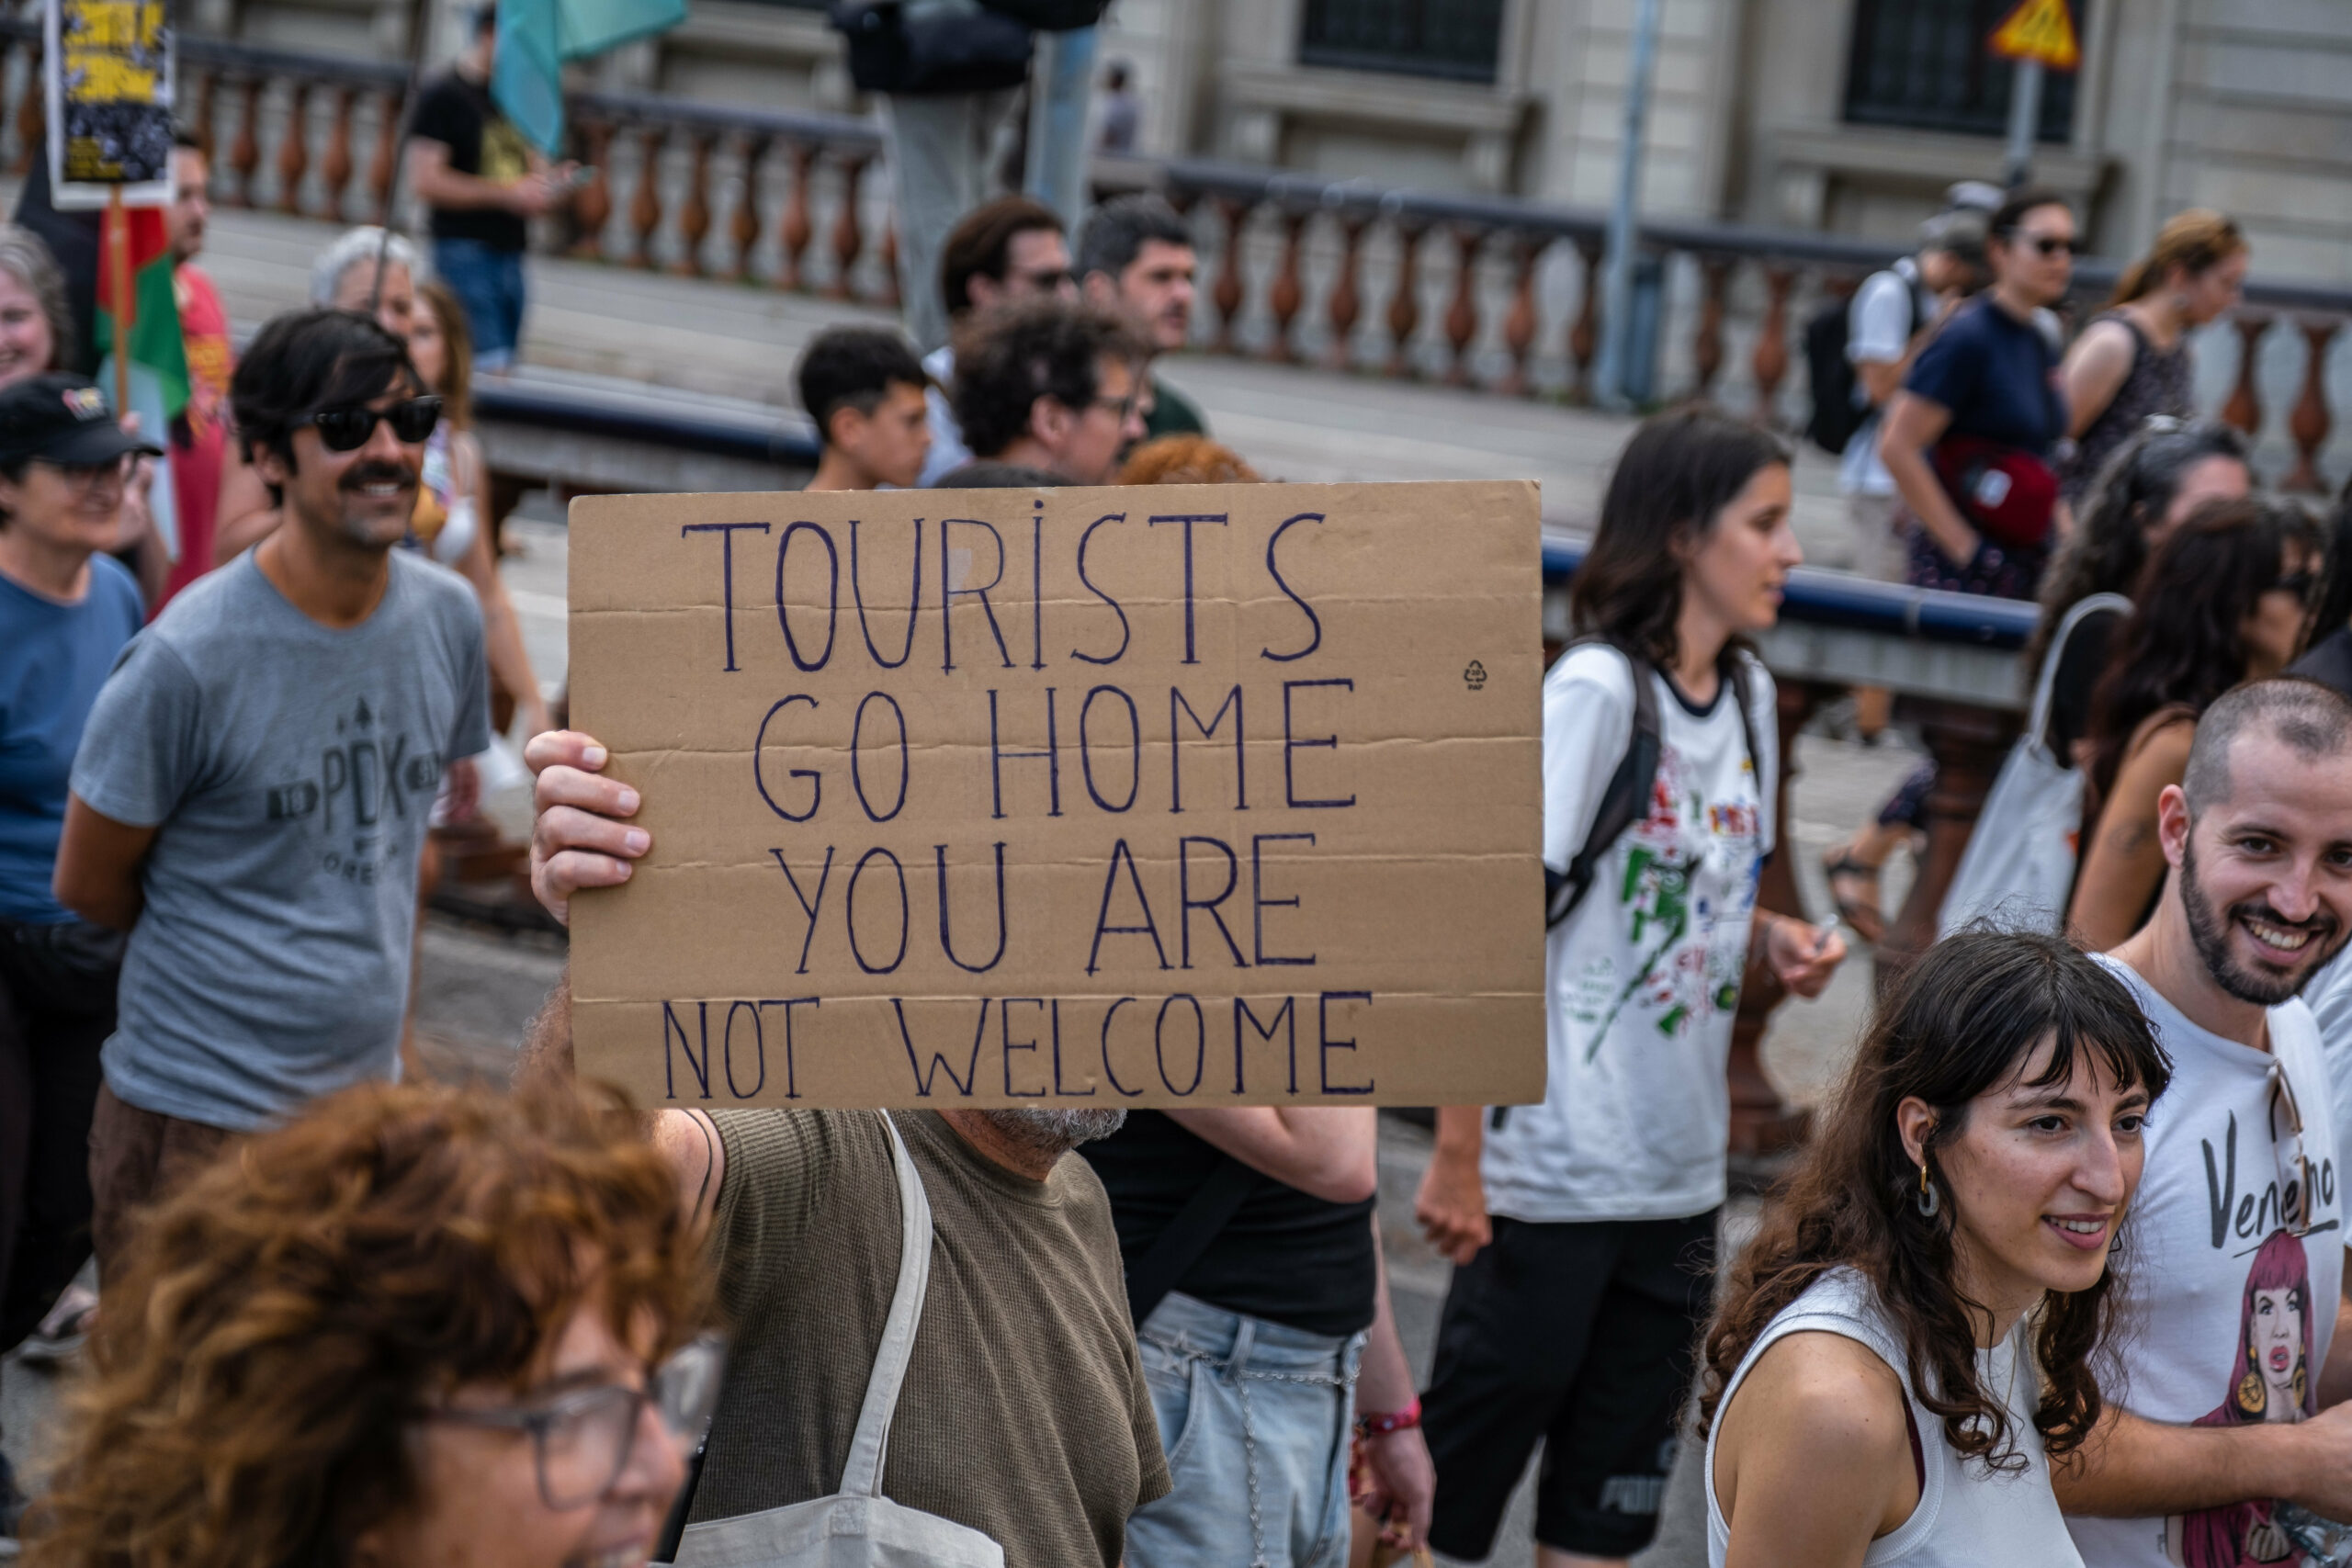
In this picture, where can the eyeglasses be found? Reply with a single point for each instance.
(582, 1441)
(1049, 280)
(2295, 1172)
(347, 429)
(1123, 407)
(2298, 583)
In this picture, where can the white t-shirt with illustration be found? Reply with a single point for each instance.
(2230, 1287)
(1642, 980)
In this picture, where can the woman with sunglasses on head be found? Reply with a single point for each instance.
(1928, 1308)
(416, 1325)
(2225, 598)
(2132, 360)
(67, 607)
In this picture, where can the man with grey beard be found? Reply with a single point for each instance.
(1025, 1414)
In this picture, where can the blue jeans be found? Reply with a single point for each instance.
(1256, 1420)
(489, 283)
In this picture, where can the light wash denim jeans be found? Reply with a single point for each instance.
(1256, 1419)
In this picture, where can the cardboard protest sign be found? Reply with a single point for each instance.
(109, 85)
(1160, 796)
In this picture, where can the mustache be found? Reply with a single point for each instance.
(376, 473)
(2319, 924)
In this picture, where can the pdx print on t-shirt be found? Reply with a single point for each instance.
(2232, 1270)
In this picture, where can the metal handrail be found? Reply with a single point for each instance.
(1816, 597)
(754, 438)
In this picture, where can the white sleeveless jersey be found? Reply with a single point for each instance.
(1965, 1517)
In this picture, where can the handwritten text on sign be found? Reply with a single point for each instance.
(1157, 795)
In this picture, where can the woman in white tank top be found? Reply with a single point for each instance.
(1917, 1328)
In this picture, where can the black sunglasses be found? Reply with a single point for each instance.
(2044, 243)
(347, 429)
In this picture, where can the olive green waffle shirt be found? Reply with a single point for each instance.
(1024, 1413)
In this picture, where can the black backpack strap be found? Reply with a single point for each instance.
(1171, 1256)
(1737, 670)
(1623, 803)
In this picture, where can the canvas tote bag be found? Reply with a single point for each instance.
(2019, 864)
(858, 1527)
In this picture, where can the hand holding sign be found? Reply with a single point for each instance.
(1165, 798)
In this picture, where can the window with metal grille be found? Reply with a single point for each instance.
(1927, 65)
(1459, 39)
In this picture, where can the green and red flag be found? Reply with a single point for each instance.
(149, 319)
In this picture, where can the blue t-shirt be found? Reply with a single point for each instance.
(289, 769)
(53, 658)
(1997, 375)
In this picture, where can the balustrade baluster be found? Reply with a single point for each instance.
(245, 152)
(1520, 323)
(795, 230)
(32, 112)
(888, 259)
(1226, 294)
(1286, 295)
(591, 208)
(334, 169)
(383, 160)
(1405, 305)
(294, 147)
(2244, 411)
(1584, 336)
(849, 229)
(693, 216)
(645, 205)
(1770, 362)
(1707, 346)
(1462, 315)
(1347, 300)
(199, 115)
(2310, 422)
(743, 228)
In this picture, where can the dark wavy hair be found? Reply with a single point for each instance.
(1038, 349)
(2184, 641)
(1671, 485)
(2108, 547)
(304, 361)
(288, 1315)
(1966, 1020)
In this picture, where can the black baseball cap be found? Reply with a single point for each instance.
(62, 418)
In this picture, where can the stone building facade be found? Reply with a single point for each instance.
(1844, 115)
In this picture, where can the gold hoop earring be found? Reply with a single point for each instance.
(1930, 1199)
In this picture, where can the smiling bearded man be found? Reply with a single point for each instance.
(2233, 1259)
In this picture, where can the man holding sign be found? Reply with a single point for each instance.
(1099, 746)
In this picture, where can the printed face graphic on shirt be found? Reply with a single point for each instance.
(366, 803)
(2270, 1379)
(504, 155)
(1680, 975)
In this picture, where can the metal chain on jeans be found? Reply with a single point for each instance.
(1242, 1378)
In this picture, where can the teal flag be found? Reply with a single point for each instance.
(535, 38)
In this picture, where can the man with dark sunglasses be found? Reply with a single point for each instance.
(2229, 1434)
(253, 789)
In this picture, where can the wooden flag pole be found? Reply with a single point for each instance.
(118, 265)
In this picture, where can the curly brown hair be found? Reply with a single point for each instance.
(285, 1318)
(1967, 1019)
(1185, 460)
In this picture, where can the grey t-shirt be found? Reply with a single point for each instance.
(289, 769)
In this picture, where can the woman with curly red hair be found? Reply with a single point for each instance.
(416, 1325)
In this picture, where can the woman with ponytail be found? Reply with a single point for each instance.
(1927, 1311)
(2132, 360)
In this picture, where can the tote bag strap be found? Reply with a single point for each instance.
(2045, 684)
(863, 1475)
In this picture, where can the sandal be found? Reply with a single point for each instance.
(1862, 914)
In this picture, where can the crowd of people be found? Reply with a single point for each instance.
(2054, 1280)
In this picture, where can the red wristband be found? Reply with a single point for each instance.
(1395, 1421)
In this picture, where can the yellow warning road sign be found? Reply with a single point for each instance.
(2039, 29)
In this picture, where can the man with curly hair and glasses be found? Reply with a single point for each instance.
(252, 795)
(417, 1325)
